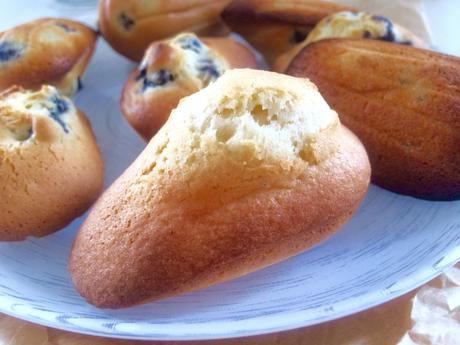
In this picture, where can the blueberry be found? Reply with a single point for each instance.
(8, 51)
(389, 34)
(30, 132)
(208, 69)
(126, 21)
(159, 78)
(298, 36)
(192, 44)
(378, 18)
(65, 27)
(60, 107)
(79, 84)
(367, 34)
(142, 73)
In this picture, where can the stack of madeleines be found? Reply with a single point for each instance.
(243, 167)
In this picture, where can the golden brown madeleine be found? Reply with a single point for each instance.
(246, 172)
(274, 26)
(173, 69)
(130, 26)
(51, 170)
(50, 51)
(352, 25)
(402, 102)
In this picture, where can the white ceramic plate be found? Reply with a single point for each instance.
(392, 245)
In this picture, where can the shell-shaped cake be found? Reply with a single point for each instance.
(274, 26)
(50, 166)
(131, 26)
(353, 25)
(173, 69)
(402, 102)
(48, 51)
(246, 172)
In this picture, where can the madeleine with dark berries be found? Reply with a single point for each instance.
(51, 169)
(130, 26)
(174, 69)
(48, 51)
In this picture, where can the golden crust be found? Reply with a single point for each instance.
(49, 51)
(251, 170)
(131, 26)
(402, 102)
(274, 26)
(50, 168)
(147, 110)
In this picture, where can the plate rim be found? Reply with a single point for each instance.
(281, 326)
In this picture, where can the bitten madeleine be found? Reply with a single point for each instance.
(50, 167)
(173, 69)
(246, 172)
(352, 25)
(50, 51)
(402, 102)
(130, 26)
(275, 26)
